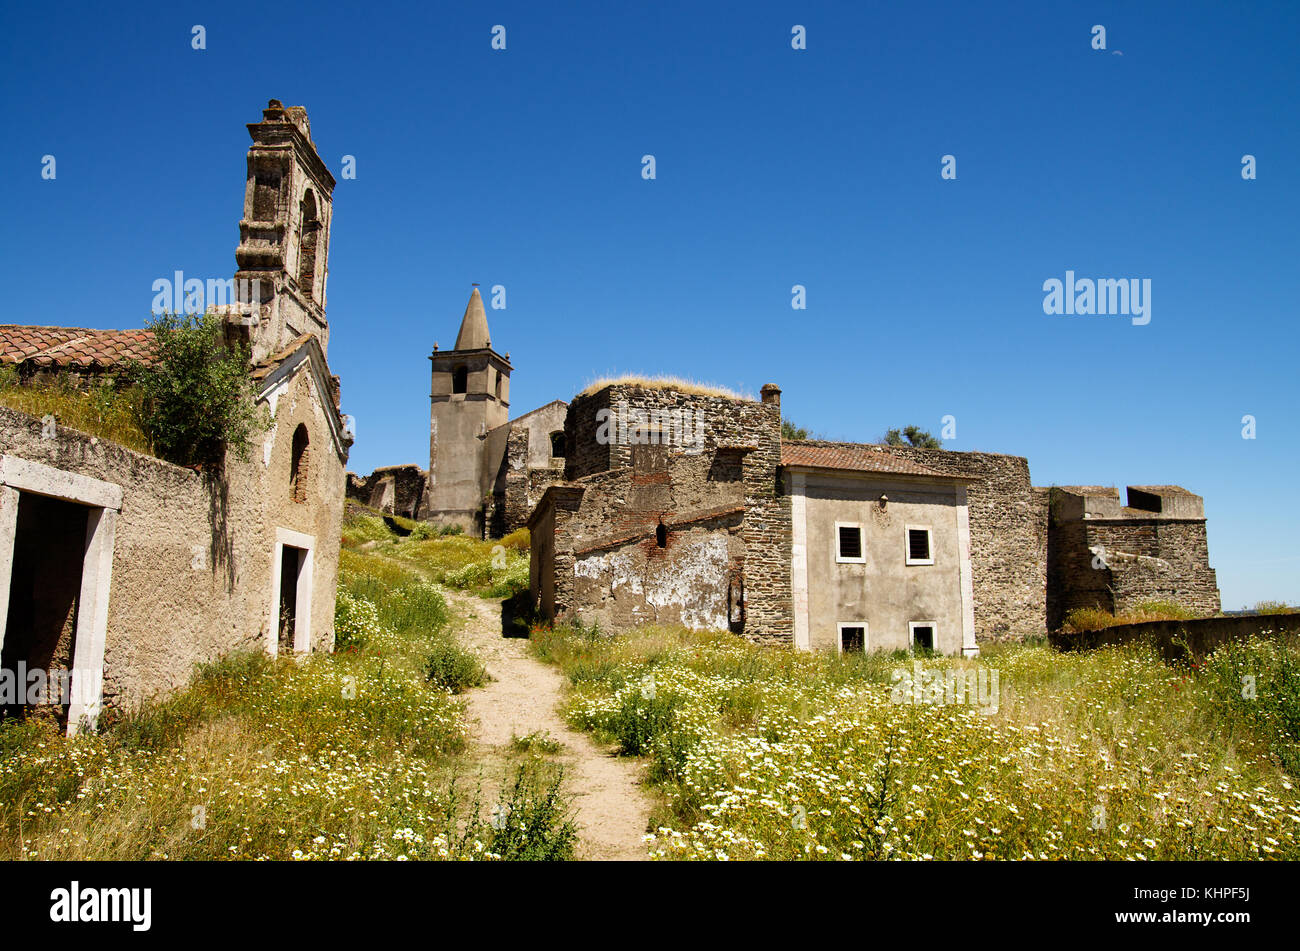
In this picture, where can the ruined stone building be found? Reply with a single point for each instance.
(659, 502)
(486, 470)
(686, 507)
(1105, 555)
(126, 570)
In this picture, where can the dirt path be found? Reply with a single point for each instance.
(612, 809)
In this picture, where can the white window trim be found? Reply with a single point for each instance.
(862, 544)
(911, 633)
(839, 635)
(907, 544)
(303, 596)
(104, 501)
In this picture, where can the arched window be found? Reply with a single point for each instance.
(498, 386)
(557, 444)
(308, 236)
(661, 536)
(460, 380)
(299, 464)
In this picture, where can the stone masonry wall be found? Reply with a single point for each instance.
(741, 437)
(1116, 564)
(397, 490)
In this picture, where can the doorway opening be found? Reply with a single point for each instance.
(291, 594)
(57, 531)
(44, 591)
(290, 568)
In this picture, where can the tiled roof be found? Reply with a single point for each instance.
(862, 458)
(73, 347)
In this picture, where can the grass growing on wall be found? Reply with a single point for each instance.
(1095, 619)
(360, 754)
(1111, 754)
(98, 409)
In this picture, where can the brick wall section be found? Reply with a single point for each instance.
(1008, 529)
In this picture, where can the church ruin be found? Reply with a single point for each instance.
(120, 571)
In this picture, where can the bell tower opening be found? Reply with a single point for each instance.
(309, 232)
(283, 252)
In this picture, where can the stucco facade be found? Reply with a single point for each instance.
(196, 564)
(882, 590)
(128, 570)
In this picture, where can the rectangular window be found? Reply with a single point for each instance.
(920, 550)
(853, 637)
(848, 543)
(920, 634)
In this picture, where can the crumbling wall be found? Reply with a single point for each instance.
(1112, 557)
(397, 490)
(713, 493)
(193, 553)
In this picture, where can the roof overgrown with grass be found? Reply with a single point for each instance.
(664, 383)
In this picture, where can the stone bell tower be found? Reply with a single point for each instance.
(284, 235)
(470, 395)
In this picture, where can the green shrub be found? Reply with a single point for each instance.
(474, 575)
(1095, 619)
(642, 717)
(519, 540)
(451, 666)
(1274, 607)
(196, 398)
(531, 822)
(1157, 611)
(510, 582)
(539, 741)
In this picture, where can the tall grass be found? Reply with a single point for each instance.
(489, 568)
(1096, 619)
(761, 752)
(351, 755)
(97, 409)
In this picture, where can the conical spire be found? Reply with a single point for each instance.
(473, 327)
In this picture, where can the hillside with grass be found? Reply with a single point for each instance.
(745, 751)
(358, 754)
(762, 753)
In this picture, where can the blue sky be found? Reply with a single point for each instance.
(775, 167)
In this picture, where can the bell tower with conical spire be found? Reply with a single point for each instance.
(470, 395)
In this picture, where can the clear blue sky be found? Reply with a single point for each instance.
(775, 167)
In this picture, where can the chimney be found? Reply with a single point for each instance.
(771, 394)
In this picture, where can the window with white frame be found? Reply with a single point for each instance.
(922, 634)
(853, 637)
(920, 545)
(848, 543)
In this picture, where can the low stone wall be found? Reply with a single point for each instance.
(1176, 639)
